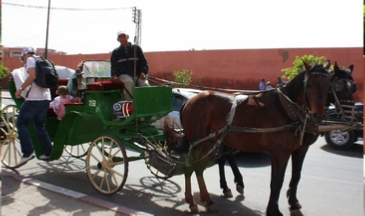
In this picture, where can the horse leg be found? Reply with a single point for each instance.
(226, 191)
(204, 195)
(297, 164)
(188, 195)
(237, 174)
(278, 166)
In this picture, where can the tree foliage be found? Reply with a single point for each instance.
(183, 77)
(289, 73)
(3, 72)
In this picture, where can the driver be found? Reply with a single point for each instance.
(122, 64)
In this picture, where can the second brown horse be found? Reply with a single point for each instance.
(204, 119)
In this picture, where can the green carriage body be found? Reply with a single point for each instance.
(93, 118)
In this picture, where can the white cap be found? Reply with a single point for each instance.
(268, 83)
(27, 50)
(122, 32)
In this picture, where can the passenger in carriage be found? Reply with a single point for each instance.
(72, 82)
(122, 65)
(58, 103)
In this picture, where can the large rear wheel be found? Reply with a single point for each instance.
(10, 148)
(107, 164)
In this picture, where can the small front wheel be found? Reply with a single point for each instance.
(77, 151)
(107, 164)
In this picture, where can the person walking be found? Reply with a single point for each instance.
(34, 108)
(262, 85)
(122, 65)
(268, 85)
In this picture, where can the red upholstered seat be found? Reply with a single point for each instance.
(105, 85)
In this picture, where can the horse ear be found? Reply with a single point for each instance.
(280, 81)
(306, 65)
(336, 68)
(328, 64)
(351, 68)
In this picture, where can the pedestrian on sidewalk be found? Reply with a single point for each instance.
(34, 108)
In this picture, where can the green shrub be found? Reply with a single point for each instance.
(183, 77)
(289, 73)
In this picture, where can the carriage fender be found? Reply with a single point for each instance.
(66, 130)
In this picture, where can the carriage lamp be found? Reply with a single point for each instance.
(122, 109)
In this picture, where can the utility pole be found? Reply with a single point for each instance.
(47, 30)
(137, 19)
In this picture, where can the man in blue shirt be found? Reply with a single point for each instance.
(262, 85)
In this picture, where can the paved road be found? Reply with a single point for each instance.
(331, 184)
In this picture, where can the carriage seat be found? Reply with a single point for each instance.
(105, 85)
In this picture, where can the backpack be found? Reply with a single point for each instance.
(46, 74)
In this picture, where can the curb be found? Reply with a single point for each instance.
(76, 195)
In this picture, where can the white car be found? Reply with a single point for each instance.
(180, 96)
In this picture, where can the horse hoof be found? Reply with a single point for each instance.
(296, 213)
(228, 193)
(295, 207)
(212, 208)
(239, 189)
(194, 209)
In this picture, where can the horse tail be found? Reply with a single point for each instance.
(175, 140)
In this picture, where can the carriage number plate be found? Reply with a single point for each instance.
(92, 103)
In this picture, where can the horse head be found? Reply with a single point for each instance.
(317, 83)
(309, 89)
(342, 92)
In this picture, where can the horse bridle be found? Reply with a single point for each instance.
(305, 106)
(341, 105)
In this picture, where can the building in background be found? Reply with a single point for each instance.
(16, 52)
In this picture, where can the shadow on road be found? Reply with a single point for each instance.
(355, 150)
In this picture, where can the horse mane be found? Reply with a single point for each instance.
(296, 84)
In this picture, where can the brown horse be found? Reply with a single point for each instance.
(341, 95)
(262, 122)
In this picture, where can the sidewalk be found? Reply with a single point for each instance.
(24, 196)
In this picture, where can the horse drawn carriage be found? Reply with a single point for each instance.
(102, 125)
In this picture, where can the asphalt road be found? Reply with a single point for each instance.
(331, 184)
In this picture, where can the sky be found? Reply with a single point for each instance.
(183, 25)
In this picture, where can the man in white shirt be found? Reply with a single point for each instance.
(34, 109)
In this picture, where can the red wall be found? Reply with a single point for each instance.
(235, 69)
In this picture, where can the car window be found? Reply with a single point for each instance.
(177, 102)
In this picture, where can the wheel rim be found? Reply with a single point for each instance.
(10, 148)
(77, 151)
(107, 165)
(339, 138)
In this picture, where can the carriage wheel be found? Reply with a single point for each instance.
(77, 151)
(148, 155)
(10, 148)
(107, 164)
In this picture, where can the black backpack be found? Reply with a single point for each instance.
(46, 74)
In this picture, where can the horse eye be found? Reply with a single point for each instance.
(353, 88)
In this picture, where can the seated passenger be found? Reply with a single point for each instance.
(72, 81)
(58, 102)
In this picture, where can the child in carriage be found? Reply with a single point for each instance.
(58, 102)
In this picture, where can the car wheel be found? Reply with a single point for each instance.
(340, 140)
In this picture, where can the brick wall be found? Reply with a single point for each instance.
(235, 69)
